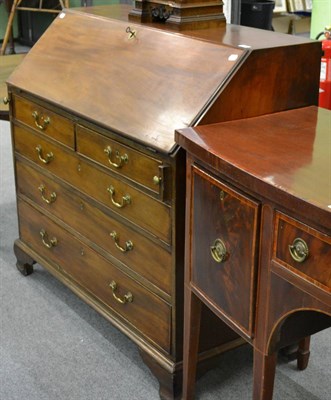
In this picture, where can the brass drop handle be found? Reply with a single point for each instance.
(299, 250)
(218, 251)
(52, 197)
(127, 298)
(49, 243)
(49, 156)
(128, 243)
(5, 100)
(125, 199)
(121, 160)
(40, 121)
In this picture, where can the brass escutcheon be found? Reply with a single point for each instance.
(299, 250)
(52, 198)
(121, 160)
(128, 243)
(218, 251)
(222, 195)
(132, 33)
(127, 298)
(40, 121)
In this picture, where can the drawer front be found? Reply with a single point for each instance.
(224, 249)
(133, 249)
(45, 121)
(121, 159)
(303, 250)
(137, 306)
(123, 199)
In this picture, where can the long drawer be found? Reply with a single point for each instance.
(125, 200)
(131, 301)
(139, 253)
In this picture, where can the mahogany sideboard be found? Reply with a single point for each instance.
(258, 226)
(100, 180)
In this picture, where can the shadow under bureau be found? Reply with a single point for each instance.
(100, 180)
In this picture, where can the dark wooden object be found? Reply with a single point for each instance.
(256, 196)
(180, 14)
(100, 179)
(7, 66)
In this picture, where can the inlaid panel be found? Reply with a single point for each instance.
(303, 250)
(224, 248)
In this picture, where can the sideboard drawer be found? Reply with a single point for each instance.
(44, 121)
(303, 250)
(140, 254)
(145, 170)
(135, 304)
(224, 244)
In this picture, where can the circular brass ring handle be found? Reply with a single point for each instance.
(218, 251)
(127, 298)
(46, 242)
(128, 243)
(121, 160)
(299, 250)
(5, 100)
(52, 196)
(40, 121)
(125, 199)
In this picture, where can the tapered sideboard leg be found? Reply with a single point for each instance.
(264, 375)
(303, 353)
(191, 342)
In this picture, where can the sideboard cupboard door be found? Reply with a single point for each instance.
(224, 228)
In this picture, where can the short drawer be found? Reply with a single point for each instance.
(303, 250)
(132, 164)
(223, 248)
(123, 199)
(139, 253)
(137, 306)
(44, 121)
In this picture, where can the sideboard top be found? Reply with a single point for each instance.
(144, 86)
(288, 153)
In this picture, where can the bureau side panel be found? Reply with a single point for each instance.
(270, 80)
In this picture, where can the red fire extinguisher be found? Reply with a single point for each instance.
(324, 100)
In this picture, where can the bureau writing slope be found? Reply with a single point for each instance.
(100, 180)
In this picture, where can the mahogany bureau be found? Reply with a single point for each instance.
(100, 180)
(258, 224)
